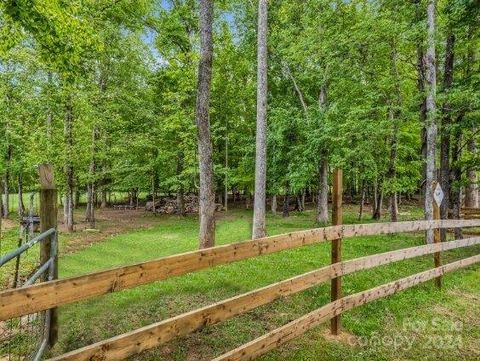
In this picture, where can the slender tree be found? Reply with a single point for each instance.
(445, 169)
(322, 197)
(259, 229)
(430, 126)
(207, 182)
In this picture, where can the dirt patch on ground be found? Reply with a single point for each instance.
(342, 337)
(109, 222)
(8, 224)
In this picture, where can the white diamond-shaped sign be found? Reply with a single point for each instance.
(438, 194)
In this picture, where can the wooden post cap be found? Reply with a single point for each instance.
(45, 173)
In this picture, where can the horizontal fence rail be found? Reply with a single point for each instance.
(144, 338)
(51, 294)
(8, 257)
(301, 325)
(45, 270)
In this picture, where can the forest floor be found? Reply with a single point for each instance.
(421, 323)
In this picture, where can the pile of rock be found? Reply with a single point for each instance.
(168, 205)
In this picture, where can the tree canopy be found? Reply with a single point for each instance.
(107, 89)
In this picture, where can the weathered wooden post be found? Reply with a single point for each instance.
(437, 202)
(337, 219)
(49, 246)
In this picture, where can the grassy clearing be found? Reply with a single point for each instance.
(419, 320)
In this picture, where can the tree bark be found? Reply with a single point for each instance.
(225, 205)
(69, 170)
(90, 211)
(180, 191)
(456, 173)
(21, 205)
(1, 200)
(394, 115)
(286, 202)
(6, 202)
(471, 190)
(378, 201)
(392, 171)
(205, 152)
(76, 198)
(104, 202)
(393, 206)
(362, 202)
(445, 131)
(430, 126)
(6, 182)
(274, 204)
(421, 75)
(322, 198)
(298, 203)
(248, 200)
(259, 228)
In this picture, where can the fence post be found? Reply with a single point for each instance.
(49, 246)
(437, 201)
(337, 219)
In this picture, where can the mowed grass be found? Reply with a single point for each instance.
(416, 324)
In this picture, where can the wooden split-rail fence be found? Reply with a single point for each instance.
(49, 295)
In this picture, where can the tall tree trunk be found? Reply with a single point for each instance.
(421, 75)
(286, 201)
(392, 171)
(207, 192)
(21, 206)
(49, 111)
(6, 194)
(259, 228)
(378, 201)
(69, 170)
(322, 198)
(298, 203)
(394, 115)
(274, 204)
(154, 193)
(180, 195)
(65, 209)
(445, 131)
(471, 190)
(225, 205)
(1, 201)
(76, 199)
(248, 199)
(104, 202)
(6, 180)
(393, 206)
(90, 211)
(362, 201)
(455, 177)
(430, 126)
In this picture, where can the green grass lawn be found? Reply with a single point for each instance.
(418, 320)
(416, 324)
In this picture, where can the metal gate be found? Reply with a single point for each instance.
(27, 337)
